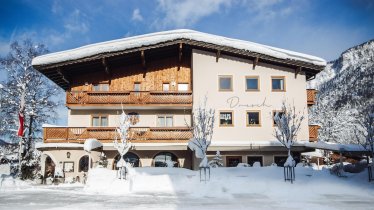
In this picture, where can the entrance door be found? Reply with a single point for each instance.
(233, 161)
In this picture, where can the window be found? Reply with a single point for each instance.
(68, 166)
(183, 87)
(137, 86)
(164, 121)
(83, 164)
(226, 118)
(165, 87)
(278, 84)
(165, 159)
(251, 84)
(280, 114)
(253, 159)
(130, 158)
(100, 87)
(225, 83)
(253, 118)
(99, 121)
(233, 161)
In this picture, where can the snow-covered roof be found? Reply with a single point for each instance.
(91, 144)
(166, 36)
(336, 147)
(40, 145)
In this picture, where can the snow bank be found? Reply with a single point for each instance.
(226, 182)
(165, 36)
(8, 182)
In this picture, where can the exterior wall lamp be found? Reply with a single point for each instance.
(68, 154)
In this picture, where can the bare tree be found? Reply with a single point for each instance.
(125, 145)
(26, 94)
(288, 123)
(202, 128)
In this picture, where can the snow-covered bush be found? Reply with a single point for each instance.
(216, 161)
(103, 161)
(256, 165)
(241, 165)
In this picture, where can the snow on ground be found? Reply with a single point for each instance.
(176, 188)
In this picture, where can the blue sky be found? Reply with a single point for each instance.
(318, 27)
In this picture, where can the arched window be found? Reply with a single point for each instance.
(83, 164)
(165, 159)
(130, 158)
(49, 167)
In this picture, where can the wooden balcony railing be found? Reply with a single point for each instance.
(313, 133)
(311, 96)
(129, 97)
(108, 134)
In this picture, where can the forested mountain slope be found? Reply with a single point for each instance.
(345, 91)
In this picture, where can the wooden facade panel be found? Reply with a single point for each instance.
(151, 78)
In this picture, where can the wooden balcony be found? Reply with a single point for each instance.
(311, 96)
(129, 98)
(313, 133)
(108, 134)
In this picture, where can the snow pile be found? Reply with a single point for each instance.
(226, 182)
(8, 182)
(165, 36)
(91, 144)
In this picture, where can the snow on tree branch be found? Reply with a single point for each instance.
(288, 123)
(364, 129)
(124, 134)
(202, 129)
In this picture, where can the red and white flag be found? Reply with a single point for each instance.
(21, 116)
(21, 121)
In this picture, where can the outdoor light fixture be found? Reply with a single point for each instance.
(68, 154)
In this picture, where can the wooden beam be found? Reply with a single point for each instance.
(297, 71)
(218, 55)
(143, 58)
(255, 62)
(106, 67)
(180, 52)
(63, 76)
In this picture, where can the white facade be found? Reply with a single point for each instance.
(206, 72)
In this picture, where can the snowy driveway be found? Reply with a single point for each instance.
(76, 198)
